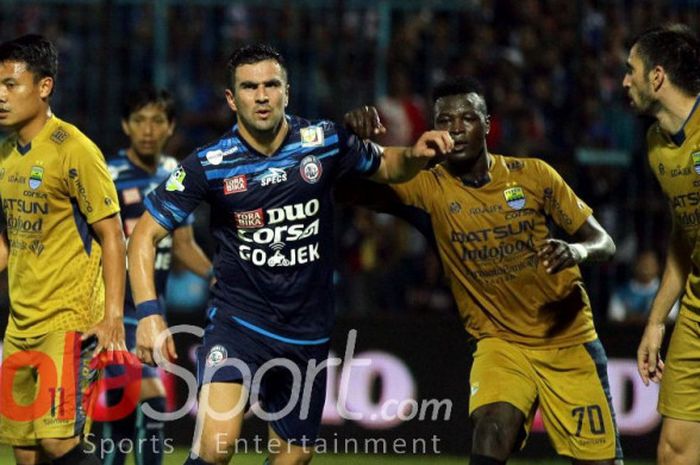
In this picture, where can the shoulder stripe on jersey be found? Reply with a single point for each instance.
(157, 215)
(139, 182)
(264, 332)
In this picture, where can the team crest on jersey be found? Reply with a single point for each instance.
(696, 161)
(216, 355)
(250, 220)
(235, 184)
(455, 207)
(311, 169)
(272, 176)
(36, 175)
(311, 136)
(515, 197)
(175, 181)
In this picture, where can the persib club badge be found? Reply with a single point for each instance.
(515, 197)
(216, 355)
(175, 181)
(311, 169)
(311, 136)
(36, 175)
(696, 161)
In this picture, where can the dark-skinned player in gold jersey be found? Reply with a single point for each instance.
(519, 291)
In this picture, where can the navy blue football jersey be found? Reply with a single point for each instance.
(133, 185)
(272, 219)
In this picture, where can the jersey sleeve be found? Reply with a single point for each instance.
(174, 200)
(560, 201)
(415, 192)
(356, 155)
(90, 183)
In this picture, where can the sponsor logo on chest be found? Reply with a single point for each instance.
(235, 184)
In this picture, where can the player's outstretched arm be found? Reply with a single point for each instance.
(398, 164)
(141, 252)
(595, 245)
(110, 331)
(186, 249)
(673, 280)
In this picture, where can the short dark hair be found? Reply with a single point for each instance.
(147, 95)
(250, 54)
(676, 48)
(36, 51)
(458, 86)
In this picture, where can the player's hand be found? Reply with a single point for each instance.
(649, 363)
(557, 255)
(432, 143)
(364, 122)
(110, 338)
(146, 334)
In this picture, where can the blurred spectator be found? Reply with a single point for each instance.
(631, 302)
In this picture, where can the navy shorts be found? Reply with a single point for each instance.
(286, 377)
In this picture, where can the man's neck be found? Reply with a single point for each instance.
(476, 173)
(148, 164)
(267, 142)
(33, 127)
(674, 113)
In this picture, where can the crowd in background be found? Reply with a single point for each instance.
(552, 70)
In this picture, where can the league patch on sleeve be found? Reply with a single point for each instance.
(312, 136)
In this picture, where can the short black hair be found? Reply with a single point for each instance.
(456, 86)
(250, 54)
(146, 95)
(36, 51)
(676, 48)
(459, 85)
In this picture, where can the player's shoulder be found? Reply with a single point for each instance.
(216, 152)
(167, 163)
(312, 132)
(66, 137)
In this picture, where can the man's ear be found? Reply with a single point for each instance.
(230, 99)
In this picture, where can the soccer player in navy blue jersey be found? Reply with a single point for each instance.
(148, 120)
(269, 181)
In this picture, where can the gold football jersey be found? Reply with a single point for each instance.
(52, 191)
(677, 167)
(488, 239)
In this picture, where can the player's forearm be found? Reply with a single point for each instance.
(600, 249)
(595, 244)
(114, 273)
(188, 252)
(195, 260)
(400, 165)
(142, 258)
(672, 281)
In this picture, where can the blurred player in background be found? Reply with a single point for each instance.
(65, 265)
(148, 120)
(519, 292)
(663, 81)
(269, 181)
